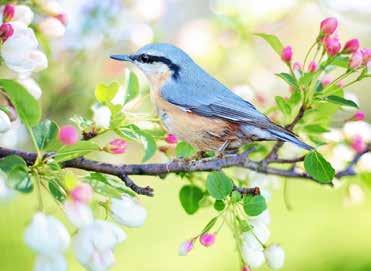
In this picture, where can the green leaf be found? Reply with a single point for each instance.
(190, 196)
(57, 190)
(26, 105)
(106, 92)
(11, 161)
(184, 150)
(315, 129)
(209, 225)
(288, 79)
(81, 148)
(341, 61)
(236, 196)
(219, 205)
(219, 185)
(317, 167)
(19, 179)
(45, 132)
(306, 79)
(273, 41)
(295, 98)
(339, 100)
(134, 133)
(132, 86)
(254, 205)
(283, 105)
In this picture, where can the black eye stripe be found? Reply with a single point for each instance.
(145, 58)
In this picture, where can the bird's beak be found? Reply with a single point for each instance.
(122, 58)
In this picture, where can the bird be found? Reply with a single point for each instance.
(197, 108)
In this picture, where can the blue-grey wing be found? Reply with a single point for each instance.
(208, 97)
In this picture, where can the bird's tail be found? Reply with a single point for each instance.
(288, 136)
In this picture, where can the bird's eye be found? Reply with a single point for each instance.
(144, 58)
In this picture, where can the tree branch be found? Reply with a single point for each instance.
(123, 171)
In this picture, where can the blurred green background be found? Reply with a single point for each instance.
(321, 232)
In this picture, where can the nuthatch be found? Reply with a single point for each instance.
(199, 109)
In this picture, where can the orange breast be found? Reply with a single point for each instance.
(202, 132)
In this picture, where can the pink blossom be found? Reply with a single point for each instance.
(297, 66)
(185, 248)
(286, 54)
(68, 135)
(329, 25)
(171, 139)
(82, 193)
(207, 239)
(366, 54)
(312, 66)
(6, 30)
(8, 12)
(358, 144)
(359, 115)
(62, 18)
(326, 80)
(351, 46)
(246, 268)
(117, 146)
(332, 46)
(356, 60)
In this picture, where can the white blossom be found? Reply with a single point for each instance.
(79, 214)
(102, 116)
(52, 7)
(22, 14)
(20, 51)
(50, 263)
(250, 241)
(260, 230)
(275, 256)
(6, 192)
(32, 86)
(52, 27)
(4, 122)
(264, 218)
(128, 211)
(46, 235)
(254, 258)
(358, 128)
(94, 243)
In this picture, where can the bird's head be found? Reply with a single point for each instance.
(158, 61)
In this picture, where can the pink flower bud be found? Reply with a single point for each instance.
(312, 66)
(6, 30)
(286, 54)
(171, 139)
(68, 135)
(332, 46)
(62, 18)
(117, 146)
(326, 80)
(358, 144)
(246, 268)
(297, 66)
(359, 115)
(366, 54)
(356, 60)
(82, 193)
(8, 12)
(207, 239)
(185, 248)
(351, 46)
(329, 25)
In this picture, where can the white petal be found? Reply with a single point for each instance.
(264, 218)
(251, 242)
(79, 214)
(254, 258)
(53, 263)
(101, 261)
(260, 230)
(275, 256)
(358, 128)
(52, 7)
(39, 60)
(47, 235)
(52, 27)
(4, 122)
(23, 14)
(128, 212)
(32, 87)
(6, 192)
(102, 116)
